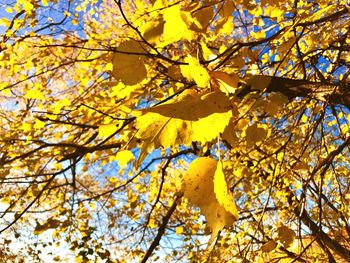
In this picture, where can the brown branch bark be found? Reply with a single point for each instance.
(319, 234)
(321, 237)
(333, 93)
(161, 230)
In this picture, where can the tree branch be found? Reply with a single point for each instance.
(333, 93)
(161, 230)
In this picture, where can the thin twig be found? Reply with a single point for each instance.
(161, 229)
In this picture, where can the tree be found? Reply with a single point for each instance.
(213, 131)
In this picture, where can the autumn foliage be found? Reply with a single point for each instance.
(164, 131)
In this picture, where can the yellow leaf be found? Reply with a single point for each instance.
(152, 223)
(208, 128)
(26, 127)
(304, 118)
(217, 218)
(27, 6)
(184, 132)
(109, 66)
(287, 45)
(275, 103)
(226, 82)
(9, 10)
(199, 186)
(203, 17)
(153, 30)
(225, 26)
(107, 129)
(5, 22)
(151, 128)
(34, 94)
(198, 181)
(49, 224)
(269, 246)
(38, 124)
(301, 166)
(255, 134)
(186, 108)
(174, 72)
(113, 180)
(207, 53)
(238, 62)
(195, 71)
(285, 235)
(258, 82)
(4, 173)
(222, 193)
(128, 66)
(229, 134)
(179, 230)
(193, 108)
(175, 28)
(192, 118)
(157, 4)
(123, 157)
(169, 131)
(241, 124)
(120, 91)
(156, 130)
(227, 9)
